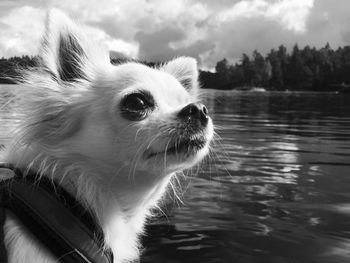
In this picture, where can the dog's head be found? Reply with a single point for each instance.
(116, 115)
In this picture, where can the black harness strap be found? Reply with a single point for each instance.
(3, 251)
(54, 217)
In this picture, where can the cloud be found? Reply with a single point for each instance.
(159, 30)
(291, 14)
(19, 31)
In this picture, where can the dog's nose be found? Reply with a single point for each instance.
(195, 111)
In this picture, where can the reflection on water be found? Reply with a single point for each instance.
(276, 190)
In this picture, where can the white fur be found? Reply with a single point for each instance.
(73, 132)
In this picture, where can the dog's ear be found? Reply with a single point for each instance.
(65, 51)
(185, 70)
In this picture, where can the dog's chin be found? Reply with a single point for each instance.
(179, 154)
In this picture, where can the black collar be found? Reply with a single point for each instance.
(55, 217)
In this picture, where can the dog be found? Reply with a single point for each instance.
(113, 136)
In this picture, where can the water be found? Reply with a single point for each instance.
(277, 189)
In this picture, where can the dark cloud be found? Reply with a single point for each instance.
(156, 46)
(248, 35)
(330, 20)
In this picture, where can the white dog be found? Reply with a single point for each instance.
(112, 136)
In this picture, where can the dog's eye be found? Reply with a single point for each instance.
(136, 106)
(135, 102)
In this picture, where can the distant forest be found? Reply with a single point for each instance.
(308, 69)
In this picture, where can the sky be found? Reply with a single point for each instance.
(158, 30)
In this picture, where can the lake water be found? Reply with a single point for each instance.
(275, 190)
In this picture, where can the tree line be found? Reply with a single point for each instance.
(10, 67)
(311, 69)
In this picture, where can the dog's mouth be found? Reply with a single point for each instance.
(184, 147)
